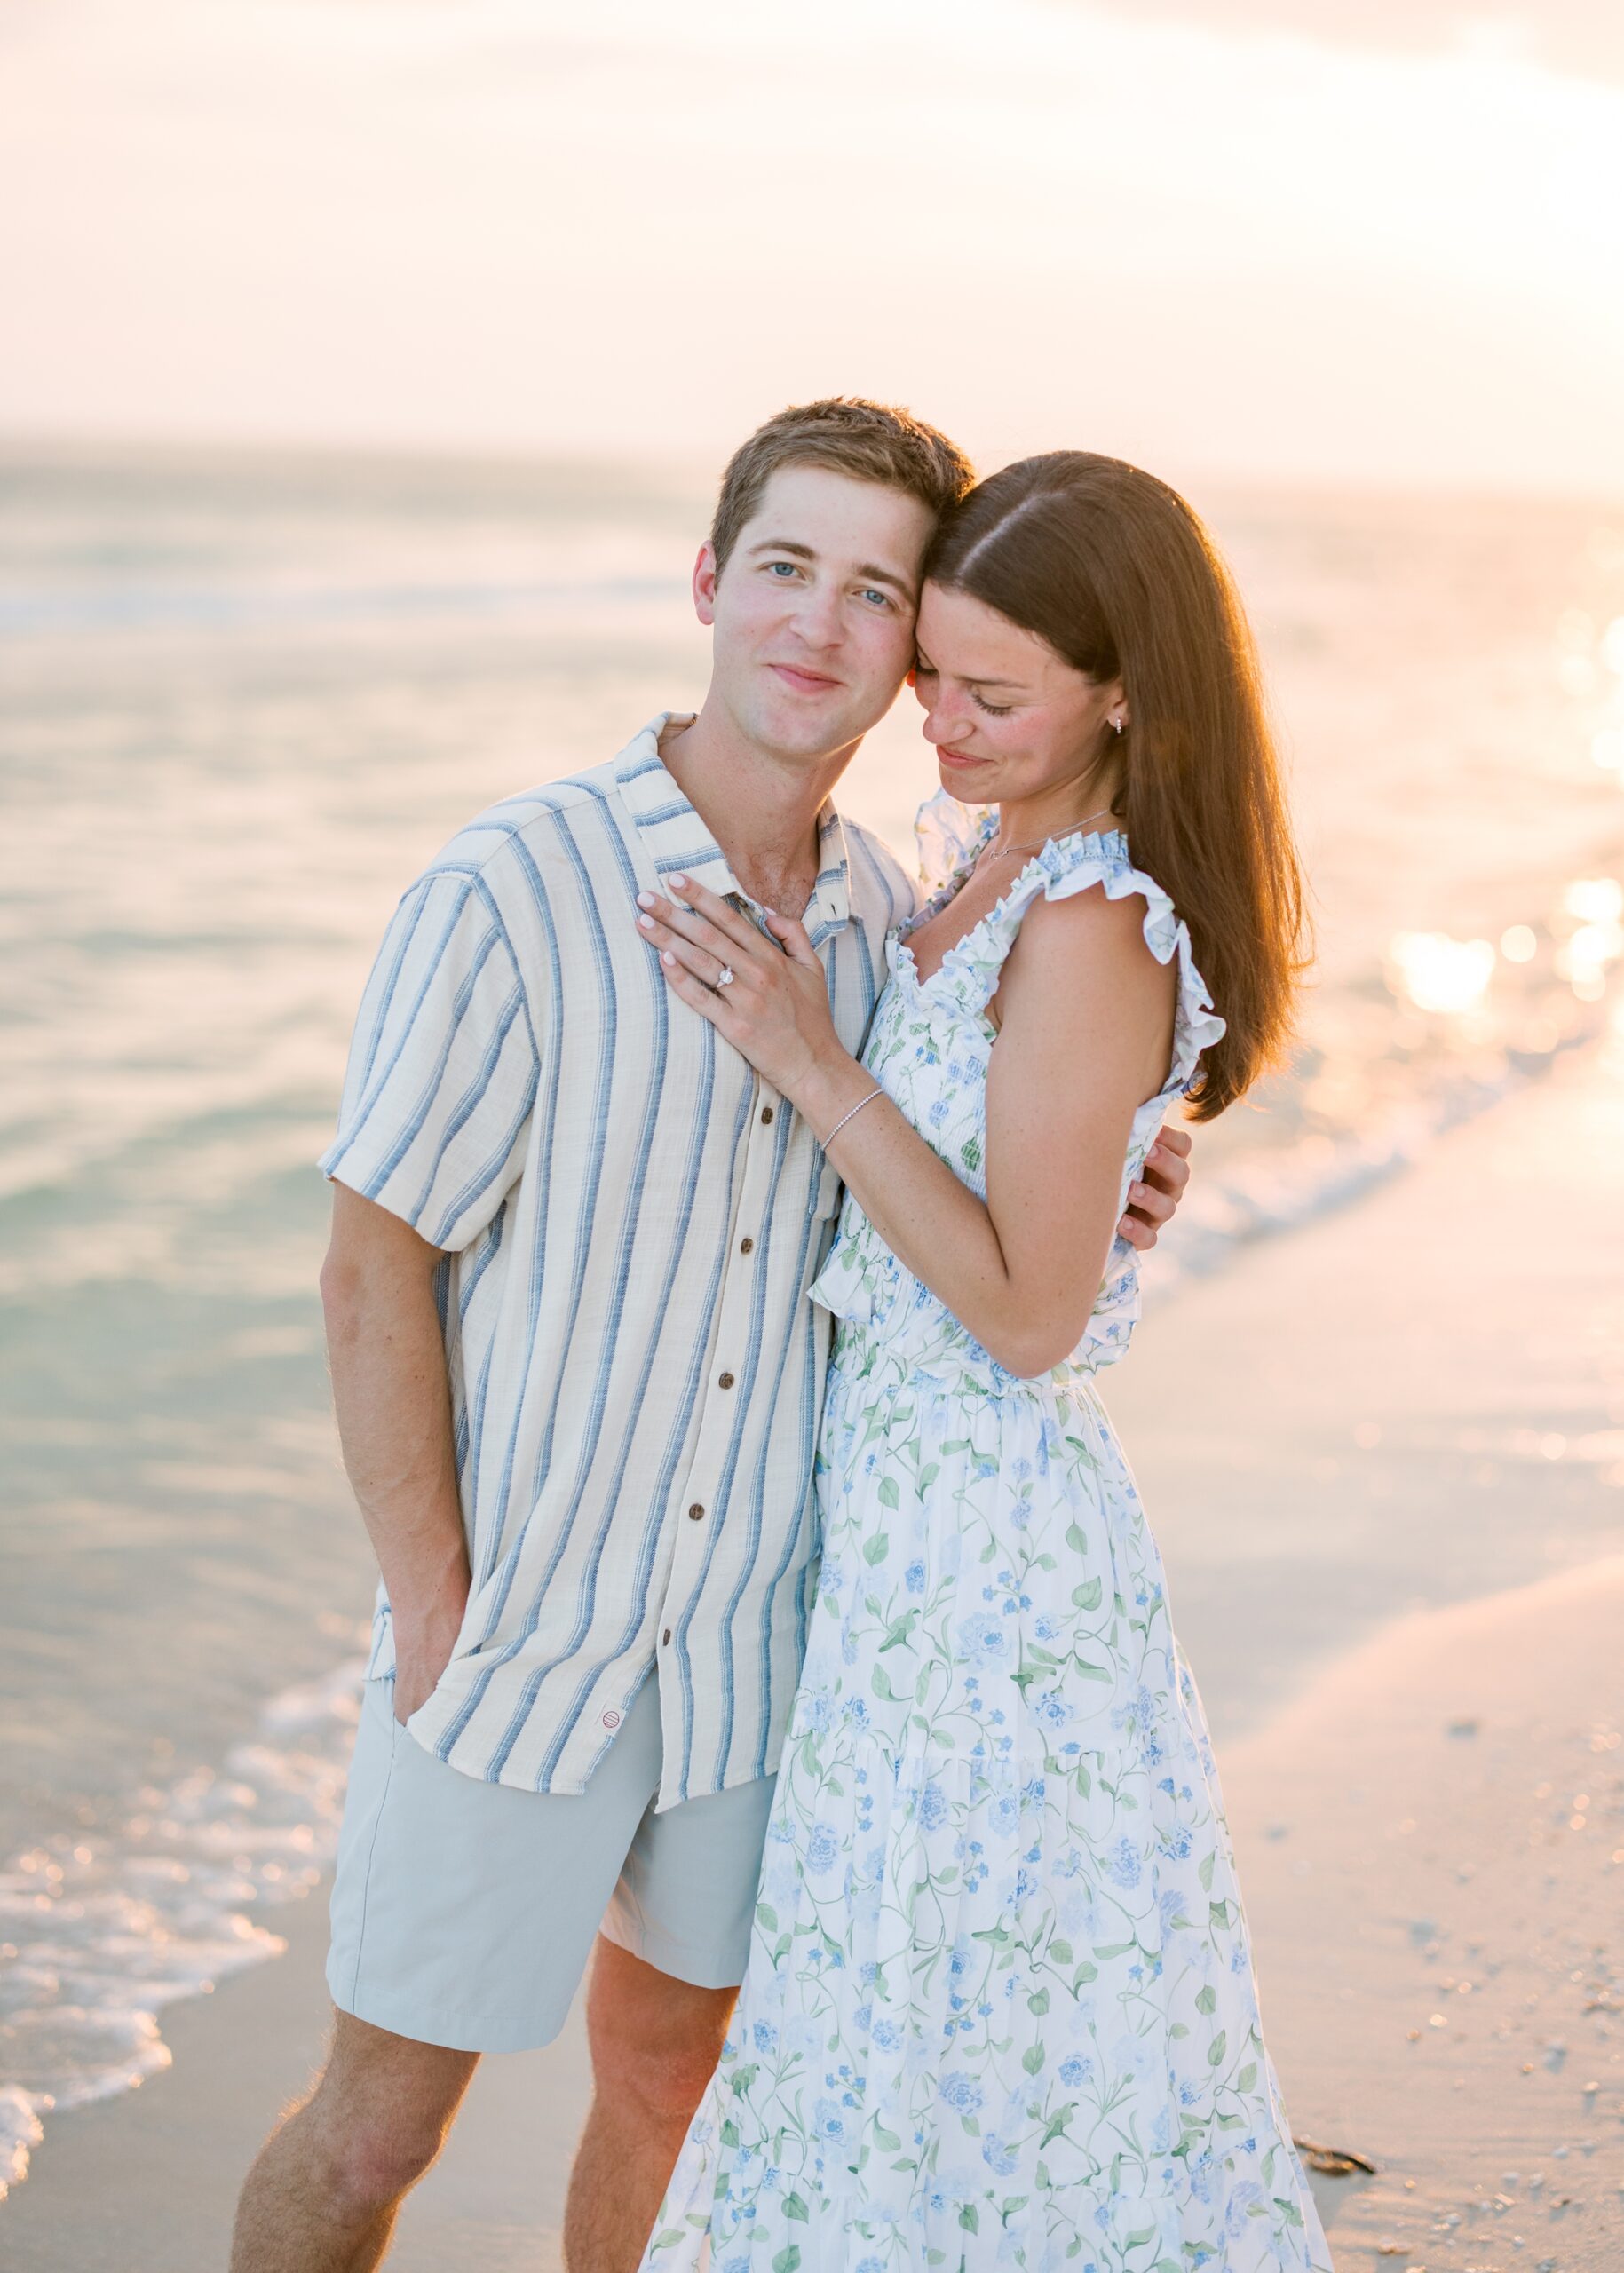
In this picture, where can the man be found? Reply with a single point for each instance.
(578, 1381)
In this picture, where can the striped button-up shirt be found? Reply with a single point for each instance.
(632, 1219)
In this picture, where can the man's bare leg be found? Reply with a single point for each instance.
(655, 2043)
(323, 2196)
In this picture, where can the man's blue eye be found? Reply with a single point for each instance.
(789, 567)
(883, 598)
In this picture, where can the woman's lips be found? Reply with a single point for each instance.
(956, 756)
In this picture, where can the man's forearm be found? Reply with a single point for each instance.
(393, 1405)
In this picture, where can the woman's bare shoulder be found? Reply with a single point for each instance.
(1086, 933)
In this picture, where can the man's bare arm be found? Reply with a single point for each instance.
(393, 1403)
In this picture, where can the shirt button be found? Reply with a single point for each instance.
(665, 1637)
(612, 1720)
(725, 1380)
(766, 1116)
(696, 1511)
(745, 1246)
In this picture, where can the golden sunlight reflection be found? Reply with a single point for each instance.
(1437, 973)
(1595, 899)
(1581, 942)
(1588, 951)
(1576, 675)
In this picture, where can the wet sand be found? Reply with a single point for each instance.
(1432, 1854)
(1384, 1459)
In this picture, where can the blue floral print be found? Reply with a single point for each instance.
(1000, 2010)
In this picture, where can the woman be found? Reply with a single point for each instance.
(1000, 2007)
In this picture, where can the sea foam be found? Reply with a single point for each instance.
(100, 1933)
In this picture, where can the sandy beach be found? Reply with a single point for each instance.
(1433, 1847)
(1384, 1459)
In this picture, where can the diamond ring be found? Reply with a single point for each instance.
(725, 976)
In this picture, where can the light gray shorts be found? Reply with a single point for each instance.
(463, 1912)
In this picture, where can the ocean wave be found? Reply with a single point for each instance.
(1452, 1027)
(1292, 1185)
(102, 1932)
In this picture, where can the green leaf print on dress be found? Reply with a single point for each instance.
(1000, 2009)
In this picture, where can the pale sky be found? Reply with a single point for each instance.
(1341, 239)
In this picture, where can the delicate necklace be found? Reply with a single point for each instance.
(1003, 852)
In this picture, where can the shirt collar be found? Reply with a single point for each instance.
(678, 842)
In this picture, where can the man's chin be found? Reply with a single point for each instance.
(810, 729)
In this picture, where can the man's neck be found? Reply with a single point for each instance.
(762, 810)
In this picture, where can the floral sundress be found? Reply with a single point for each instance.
(1000, 2007)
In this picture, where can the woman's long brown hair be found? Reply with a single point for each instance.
(1115, 572)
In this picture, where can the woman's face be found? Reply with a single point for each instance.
(1010, 718)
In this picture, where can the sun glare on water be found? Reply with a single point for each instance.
(1437, 973)
(1586, 956)
(1448, 977)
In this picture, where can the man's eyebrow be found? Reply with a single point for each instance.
(785, 545)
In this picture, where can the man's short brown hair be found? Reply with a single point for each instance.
(866, 441)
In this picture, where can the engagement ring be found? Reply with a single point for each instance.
(725, 976)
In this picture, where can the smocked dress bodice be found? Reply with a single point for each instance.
(929, 1048)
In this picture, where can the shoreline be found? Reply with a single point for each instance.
(147, 2182)
(1415, 1401)
(1431, 1856)
(1353, 1442)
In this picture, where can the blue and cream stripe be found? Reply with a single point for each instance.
(631, 1221)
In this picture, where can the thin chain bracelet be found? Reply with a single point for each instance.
(844, 1117)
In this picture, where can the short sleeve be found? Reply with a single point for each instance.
(442, 1073)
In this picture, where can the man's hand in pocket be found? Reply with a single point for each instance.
(425, 1635)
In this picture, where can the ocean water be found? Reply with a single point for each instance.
(242, 701)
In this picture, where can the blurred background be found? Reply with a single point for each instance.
(368, 366)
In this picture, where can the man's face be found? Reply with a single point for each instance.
(814, 612)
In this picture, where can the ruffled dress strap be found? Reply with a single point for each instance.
(1069, 865)
(969, 972)
(1066, 866)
